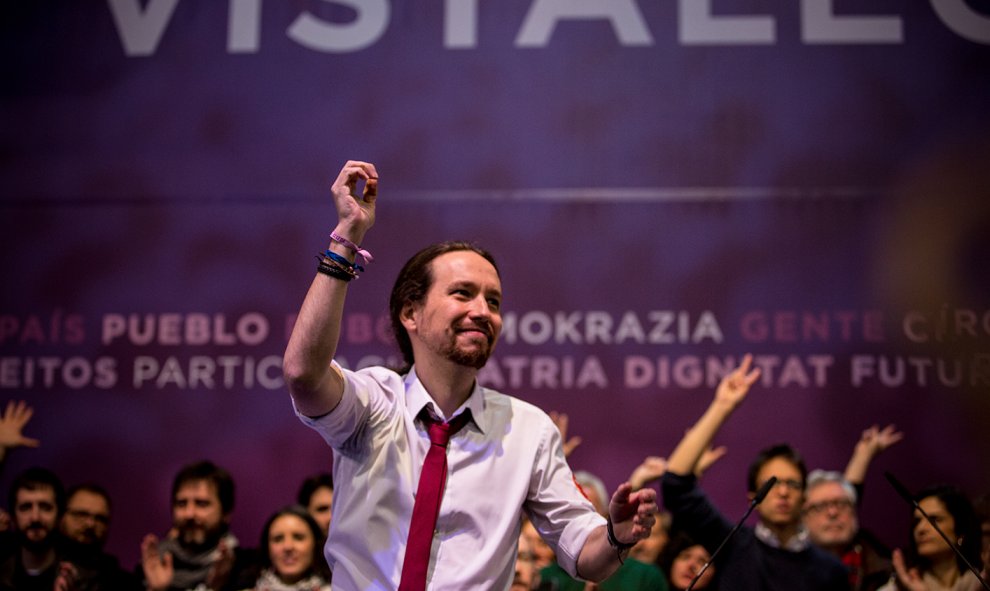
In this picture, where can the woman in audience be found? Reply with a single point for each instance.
(930, 564)
(292, 559)
(682, 559)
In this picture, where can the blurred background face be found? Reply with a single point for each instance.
(319, 508)
(542, 552)
(929, 544)
(35, 514)
(197, 514)
(87, 519)
(782, 506)
(290, 547)
(525, 575)
(687, 565)
(830, 516)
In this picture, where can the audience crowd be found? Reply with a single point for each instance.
(807, 535)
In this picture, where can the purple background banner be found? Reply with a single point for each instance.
(667, 186)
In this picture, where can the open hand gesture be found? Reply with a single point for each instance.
(12, 422)
(158, 569)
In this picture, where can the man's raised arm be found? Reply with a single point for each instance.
(730, 393)
(315, 386)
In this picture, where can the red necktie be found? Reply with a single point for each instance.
(427, 506)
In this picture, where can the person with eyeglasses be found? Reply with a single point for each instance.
(84, 529)
(831, 512)
(776, 554)
(831, 516)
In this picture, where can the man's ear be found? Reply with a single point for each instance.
(408, 317)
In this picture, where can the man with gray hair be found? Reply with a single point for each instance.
(831, 513)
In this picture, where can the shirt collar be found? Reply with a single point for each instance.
(417, 398)
(798, 542)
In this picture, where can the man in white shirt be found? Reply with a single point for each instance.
(506, 459)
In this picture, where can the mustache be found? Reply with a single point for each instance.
(188, 525)
(483, 327)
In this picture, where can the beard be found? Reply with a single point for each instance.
(196, 537)
(36, 537)
(475, 357)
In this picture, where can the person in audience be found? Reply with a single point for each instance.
(542, 552)
(29, 558)
(930, 564)
(291, 557)
(648, 550)
(775, 555)
(682, 559)
(84, 529)
(200, 550)
(87, 515)
(593, 489)
(316, 494)
(526, 576)
(831, 512)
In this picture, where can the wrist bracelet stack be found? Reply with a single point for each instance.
(336, 266)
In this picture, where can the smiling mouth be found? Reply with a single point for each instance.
(475, 330)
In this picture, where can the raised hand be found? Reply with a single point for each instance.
(561, 420)
(12, 422)
(355, 192)
(909, 579)
(875, 440)
(734, 386)
(224, 564)
(158, 569)
(709, 457)
(651, 469)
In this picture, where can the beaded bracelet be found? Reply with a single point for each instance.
(357, 249)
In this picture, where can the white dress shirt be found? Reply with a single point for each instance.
(507, 459)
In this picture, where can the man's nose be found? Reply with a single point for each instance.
(480, 308)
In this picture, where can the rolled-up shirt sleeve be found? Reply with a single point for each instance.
(557, 507)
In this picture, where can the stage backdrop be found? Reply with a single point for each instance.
(667, 185)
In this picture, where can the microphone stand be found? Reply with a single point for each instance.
(901, 490)
(757, 499)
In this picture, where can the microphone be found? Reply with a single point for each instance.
(907, 496)
(757, 499)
